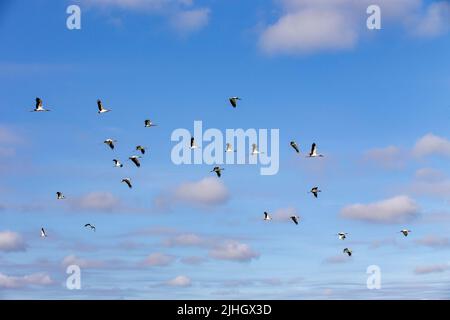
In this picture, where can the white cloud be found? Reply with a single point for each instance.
(193, 260)
(11, 241)
(307, 26)
(207, 192)
(429, 174)
(35, 279)
(82, 263)
(337, 259)
(233, 251)
(431, 144)
(158, 260)
(180, 281)
(389, 157)
(393, 210)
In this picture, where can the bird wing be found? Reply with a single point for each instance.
(313, 149)
(99, 105)
(136, 162)
(38, 102)
(192, 141)
(233, 102)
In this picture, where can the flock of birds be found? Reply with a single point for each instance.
(217, 170)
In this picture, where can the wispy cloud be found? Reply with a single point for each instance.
(158, 260)
(431, 144)
(393, 210)
(436, 268)
(434, 241)
(390, 157)
(180, 281)
(15, 282)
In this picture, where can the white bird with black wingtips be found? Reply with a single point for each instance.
(193, 144)
(148, 123)
(296, 219)
(110, 143)
(101, 109)
(267, 216)
(39, 107)
(88, 225)
(255, 150)
(405, 232)
(135, 160)
(128, 182)
(43, 233)
(117, 163)
(218, 171)
(229, 148)
(60, 196)
(348, 252)
(315, 191)
(295, 146)
(234, 101)
(313, 153)
(342, 235)
(141, 149)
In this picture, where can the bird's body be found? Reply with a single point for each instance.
(405, 232)
(342, 235)
(218, 171)
(88, 225)
(234, 101)
(141, 149)
(313, 153)
(43, 233)
(315, 191)
(110, 143)
(117, 163)
(60, 196)
(39, 106)
(128, 182)
(295, 146)
(148, 123)
(101, 109)
(295, 219)
(348, 251)
(267, 216)
(135, 160)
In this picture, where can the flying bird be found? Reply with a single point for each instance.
(295, 219)
(313, 152)
(348, 252)
(405, 232)
(88, 225)
(229, 148)
(342, 235)
(135, 160)
(128, 182)
(234, 100)
(149, 123)
(315, 191)
(267, 216)
(218, 171)
(117, 163)
(295, 146)
(110, 143)
(101, 109)
(141, 149)
(193, 144)
(39, 107)
(60, 196)
(43, 234)
(255, 150)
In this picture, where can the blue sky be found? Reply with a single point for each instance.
(375, 101)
